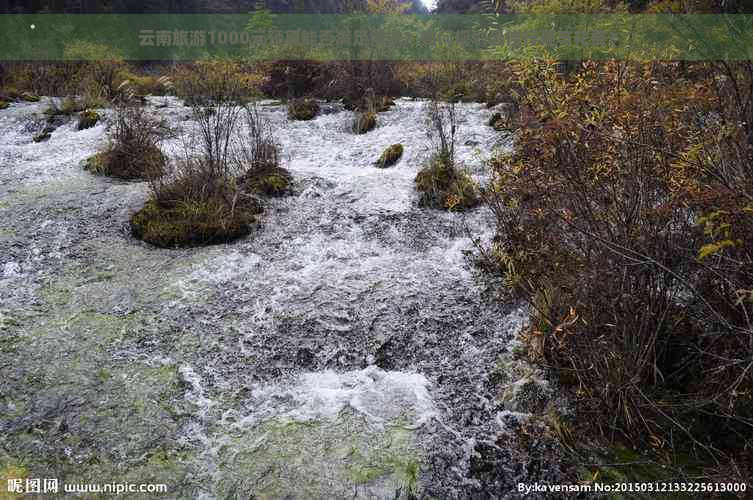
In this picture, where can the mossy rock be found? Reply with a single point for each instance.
(29, 97)
(4, 105)
(497, 121)
(87, 119)
(42, 137)
(390, 156)
(443, 186)
(269, 181)
(187, 223)
(364, 122)
(117, 162)
(45, 134)
(303, 109)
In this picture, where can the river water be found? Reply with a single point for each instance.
(348, 348)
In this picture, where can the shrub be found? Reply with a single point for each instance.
(87, 119)
(302, 109)
(202, 202)
(203, 82)
(440, 183)
(621, 220)
(390, 156)
(294, 78)
(134, 148)
(257, 154)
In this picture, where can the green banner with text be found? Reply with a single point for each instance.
(266, 36)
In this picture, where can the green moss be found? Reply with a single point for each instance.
(87, 119)
(266, 180)
(29, 97)
(390, 156)
(4, 105)
(273, 185)
(364, 122)
(193, 223)
(303, 109)
(443, 186)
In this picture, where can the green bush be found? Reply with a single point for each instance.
(390, 156)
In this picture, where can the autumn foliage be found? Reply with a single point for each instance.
(625, 217)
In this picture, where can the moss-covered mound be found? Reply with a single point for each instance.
(443, 186)
(268, 180)
(189, 223)
(303, 109)
(118, 162)
(87, 119)
(4, 104)
(364, 122)
(390, 156)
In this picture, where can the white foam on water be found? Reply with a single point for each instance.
(378, 395)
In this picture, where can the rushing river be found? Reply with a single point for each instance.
(348, 348)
